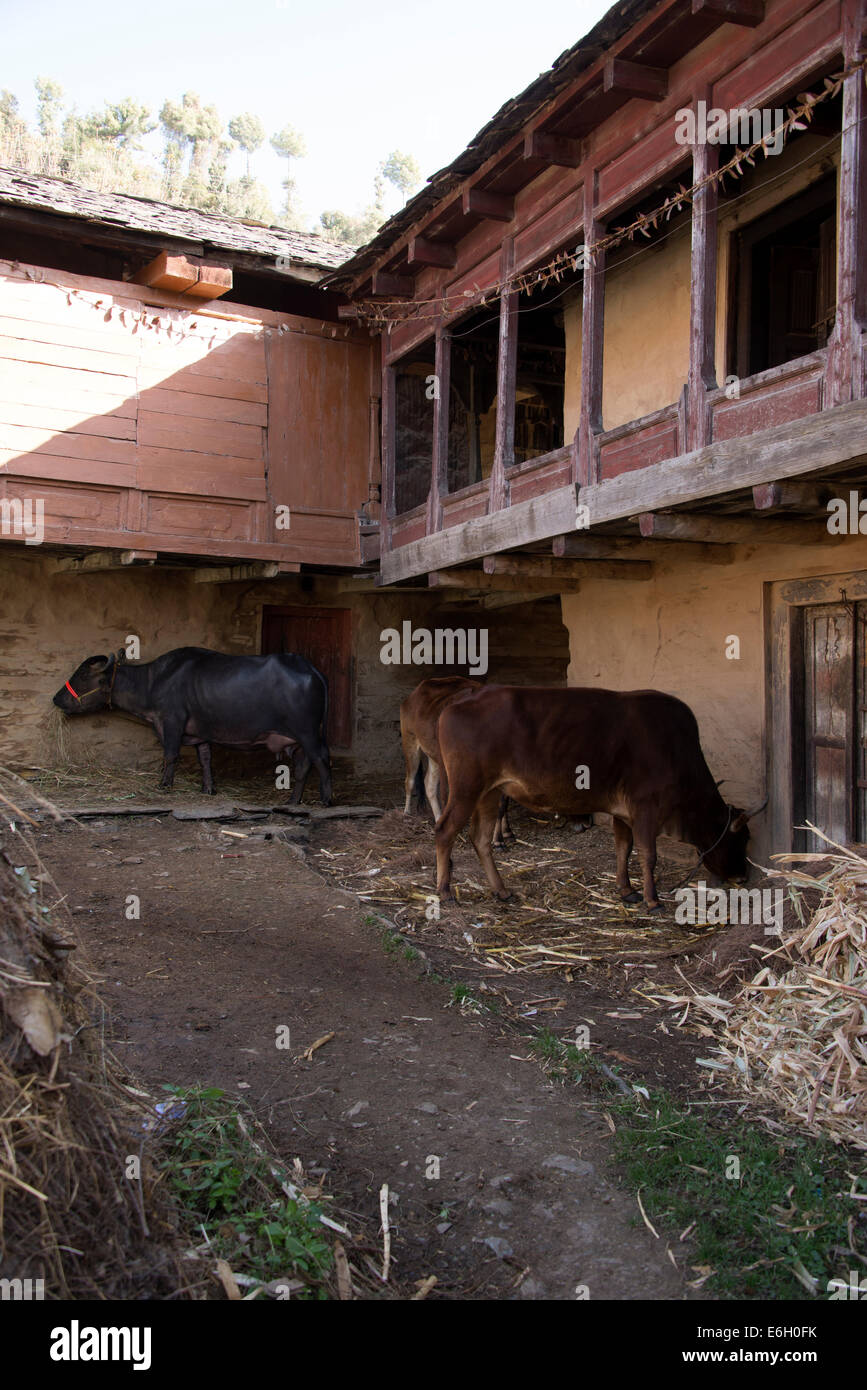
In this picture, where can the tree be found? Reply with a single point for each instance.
(247, 197)
(189, 126)
(121, 123)
(399, 169)
(49, 95)
(402, 171)
(289, 145)
(248, 132)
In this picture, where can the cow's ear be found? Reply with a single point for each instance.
(720, 782)
(98, 662)
(121, 653)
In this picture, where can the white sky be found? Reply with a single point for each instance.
(357, 80)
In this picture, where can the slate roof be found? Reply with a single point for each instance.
(127, 211)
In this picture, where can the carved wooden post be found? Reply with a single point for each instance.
(702, 308)
(507, 361)
(388, 450)
(592, 325)
(439, 484)
(844, 379)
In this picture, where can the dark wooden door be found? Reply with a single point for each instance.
(324, 636)
(833, 690)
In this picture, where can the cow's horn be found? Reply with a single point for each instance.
(740, 821)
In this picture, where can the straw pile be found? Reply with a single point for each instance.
(70, 1212)
(796, 1034)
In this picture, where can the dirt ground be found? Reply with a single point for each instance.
(240, 935)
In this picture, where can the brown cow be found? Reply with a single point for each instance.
(635, 754)
(419, 716)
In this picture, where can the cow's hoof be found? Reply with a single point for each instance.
(506, 897)
(632, 897)
(654, 907)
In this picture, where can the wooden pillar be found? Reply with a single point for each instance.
(507, 361)
(844, 380)
(388, 450)
(439, 483)
(702, 307)
(592, 325)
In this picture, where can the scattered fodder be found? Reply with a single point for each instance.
(796, 1034)
(78, 1207)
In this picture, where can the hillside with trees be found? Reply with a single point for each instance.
(105, 150)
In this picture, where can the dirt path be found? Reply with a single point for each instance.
(233, 943)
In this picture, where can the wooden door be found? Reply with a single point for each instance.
(324, 636)
(830, 700)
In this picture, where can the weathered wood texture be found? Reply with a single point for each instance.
(152, 424)
(574, 170)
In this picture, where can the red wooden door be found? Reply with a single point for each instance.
(324, 636)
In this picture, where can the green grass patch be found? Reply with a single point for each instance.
(228, 1189)
(769, 1211)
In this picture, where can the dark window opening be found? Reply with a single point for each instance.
(785, 281)
(540, 377)
(473, 397)
(414, 419)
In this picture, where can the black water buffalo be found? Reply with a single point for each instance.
(196, 696)
(636, 754)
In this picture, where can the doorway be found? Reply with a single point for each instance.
(324, 636)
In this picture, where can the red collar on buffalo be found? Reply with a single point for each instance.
(78, 697)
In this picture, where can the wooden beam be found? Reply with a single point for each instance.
(772, 497)
(385, 286)
(703, 296)
(513, 600)
(844, 375)
(214, 280)
(348, 311)
(440, 452)
(478, 202)
(748, 13)
(580, 546)
(592, 329)
(185, 275)
(552, 149)
(507, 366)
(811, 445)
(548, 567)
(138, 557)
(168, 272)
(421, 251)
(731, 530)
(495, 583)
(634, 79)
(233, 574)
(389, 445)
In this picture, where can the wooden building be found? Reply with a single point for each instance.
(607, 369)
(189, 454)
(623, 372)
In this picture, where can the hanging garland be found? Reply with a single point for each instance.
(384, 314)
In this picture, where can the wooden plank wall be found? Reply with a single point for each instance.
(151, 424)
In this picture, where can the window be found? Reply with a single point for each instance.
(541, 370)
(414, 416)
(784, 282)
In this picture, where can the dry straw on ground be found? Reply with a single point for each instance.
(796, 1034)
(70, 1213)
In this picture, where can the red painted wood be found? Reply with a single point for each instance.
(593, 316)
(640, 450)
(761, 410)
